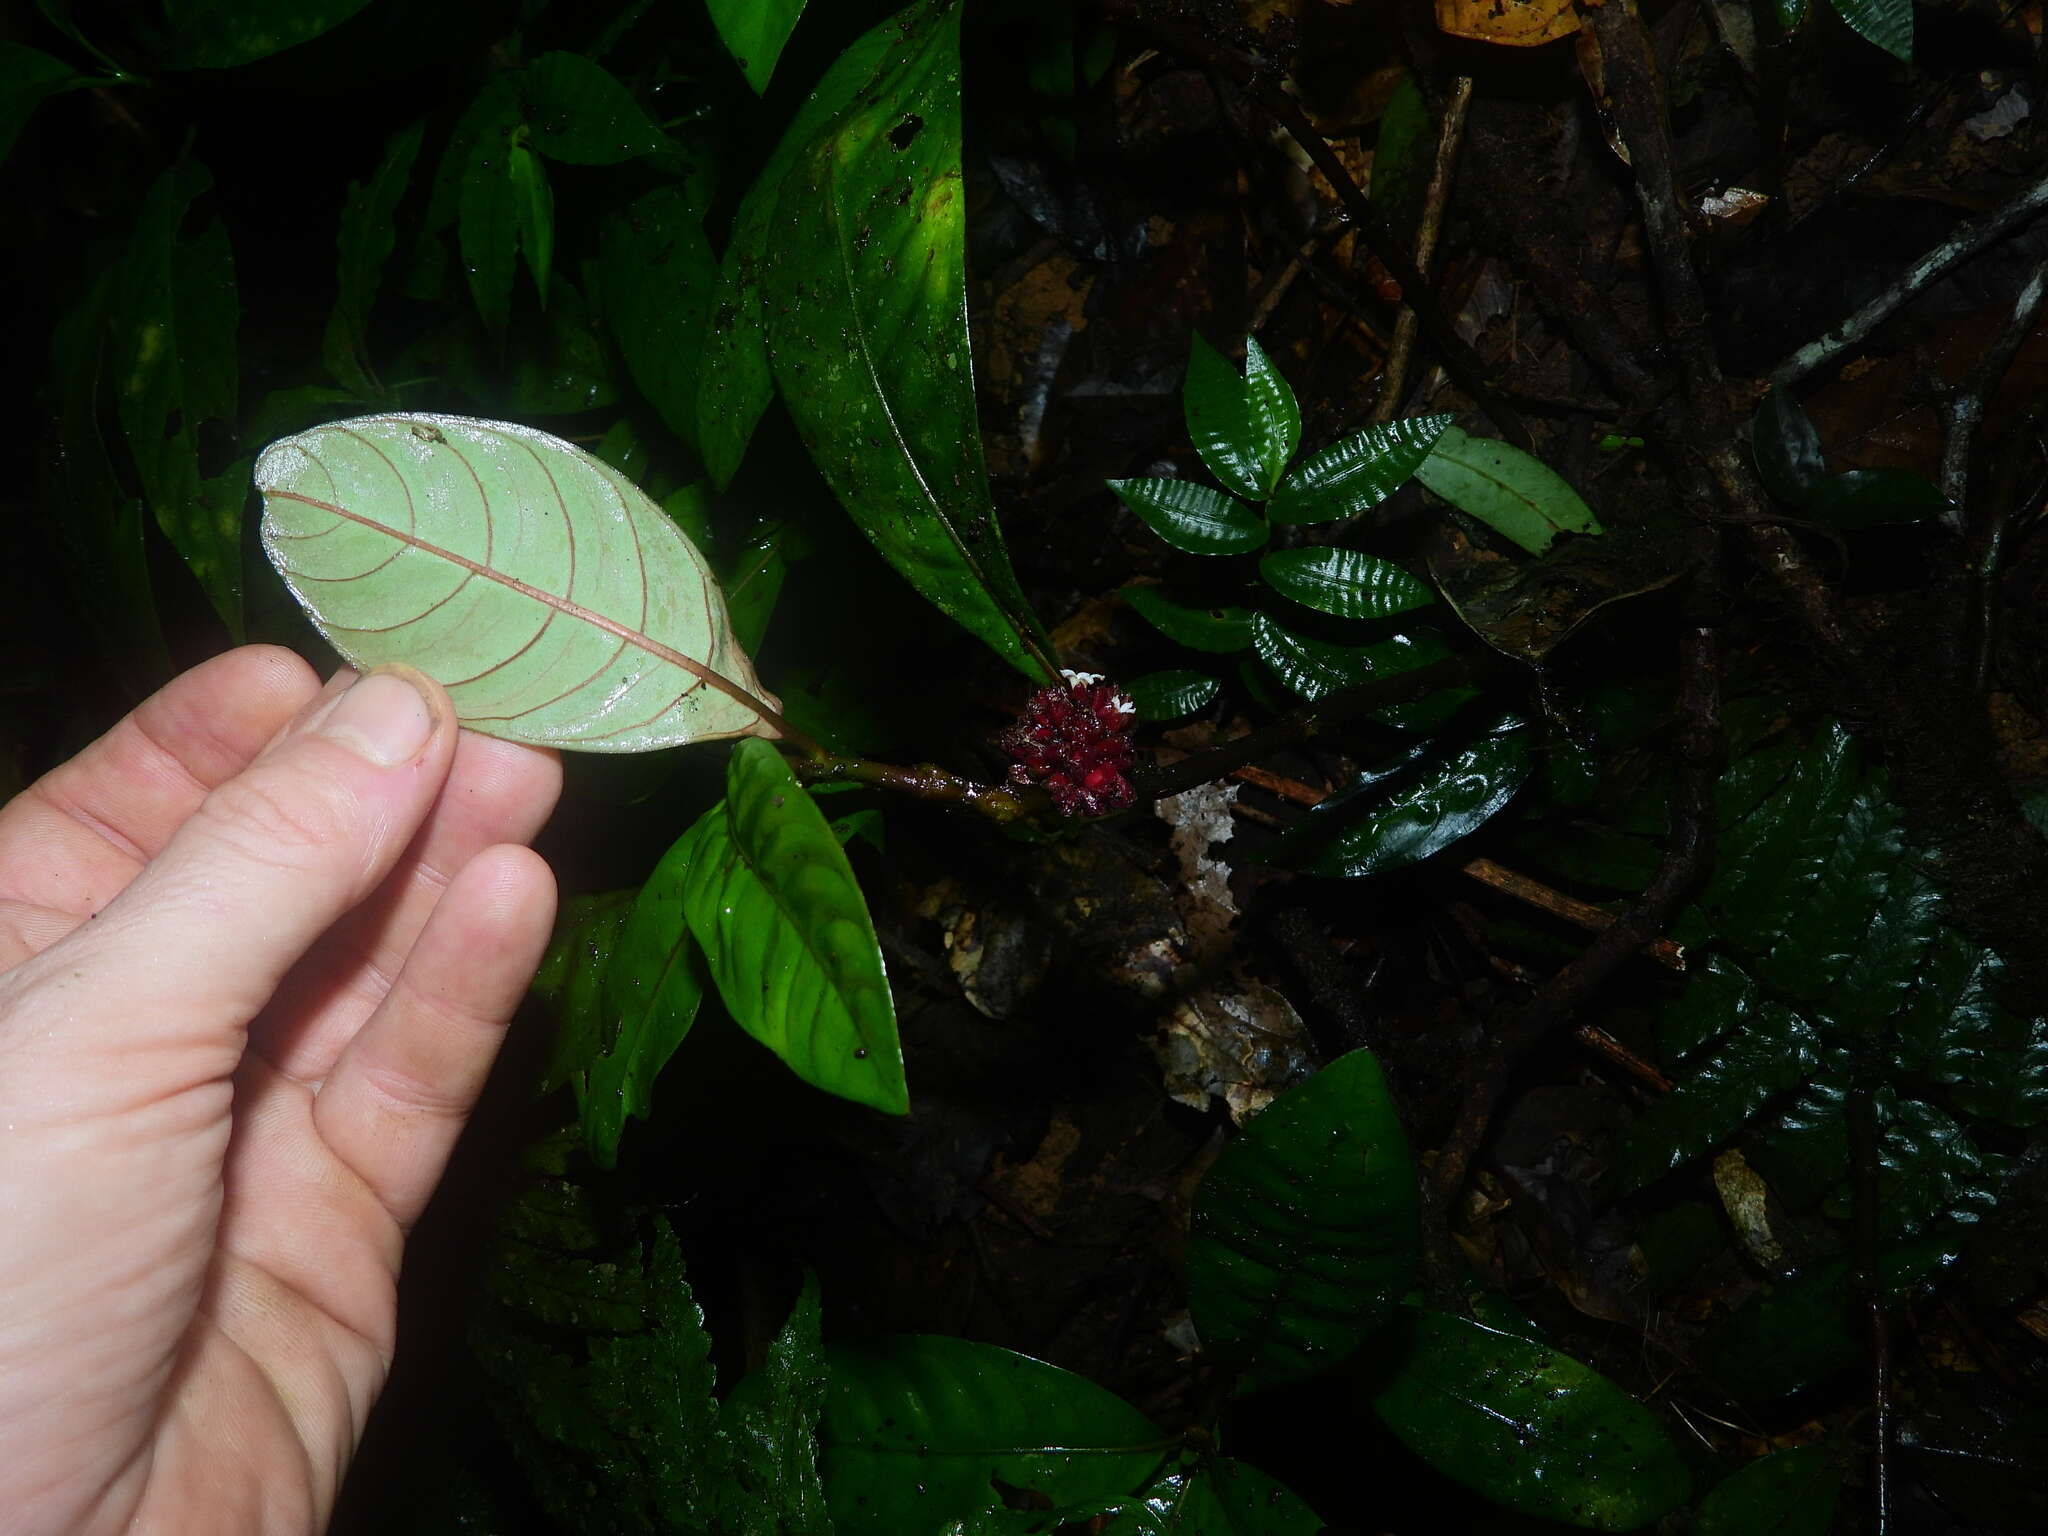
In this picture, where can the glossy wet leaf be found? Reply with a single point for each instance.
(1343, 582)
(219, 34)
(1193, 517)
(1875, 498)
(28, 77)
(1790, 1493)
(578, 112)
(175, 317)
(738, 380)
(1786, 447)
(1527, 1427)
(1217, 1497)
(1245, 426)
(1171, 695)
(1304, 1232)
(1356, 472)
(554, 601)
(1887, 23)
(1415, 818)
(658, 276)
(1222, 628)
(368, 234)
(754, 32)
(1514, 493)
(1801, 1331)
(787, 937)
(1317, 668)
(916, 1426)
(771, 1420)
(865, 293)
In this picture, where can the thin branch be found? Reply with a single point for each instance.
(1959, 247)
(924, 781)
(1963, 411)
(1450, 134)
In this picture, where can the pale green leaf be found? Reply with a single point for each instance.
(557, 604)
(1514, 493)
(787, 937)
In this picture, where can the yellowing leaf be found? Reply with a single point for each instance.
(1513, 23)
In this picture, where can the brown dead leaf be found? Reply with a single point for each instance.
(1512, 23)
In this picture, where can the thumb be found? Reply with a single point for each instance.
(174, 968)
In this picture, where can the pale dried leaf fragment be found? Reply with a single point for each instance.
(1510, 23)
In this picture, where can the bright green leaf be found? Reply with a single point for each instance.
(368, 232)
(557, 603)
(1193, 517)
(1357, 472)
(916, 1428)
(1245, 427)
(1416, 819)
(1887, 23)
(1791, 1493)
(1343, 582)
(659, 274)
(1304, 1232)
(865, 294)
(753, 32)
(1171, 695)
(786, 933)
(1202, 629)
(1526, 1427)
(579, 113)
(219, 34)
(1786, 447)
(1514, 493)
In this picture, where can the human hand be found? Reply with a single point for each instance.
(257, 948)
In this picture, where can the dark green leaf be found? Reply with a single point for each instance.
(753, 32)
(1791, 1493)
(368, 233)
(1790, 12)
(1786, 447)
(571, 982)
(1343, 582)
(1312, 668)
(1802, 1331)
(916, 1428)
(533, 209)
(773, 901)
(1514, 493)
(28, 77)
(1171, 695)
(579, 113)
(1245, 427)
(489, 230)
(1304, 1232)
(658, 276)
(1217, 1497)
(865, 293)
(737, 381)
(174, 324)
(1202, 629)
(1875, 498)
(1192, 516)
(772, 1418)
(219, 34)
(1528, 1428)
(1357, 472)
(1887, 23)
(1416, 819)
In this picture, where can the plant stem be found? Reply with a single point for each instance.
(1394, 380)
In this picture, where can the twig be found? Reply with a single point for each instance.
(1449, 135)
(1963, 411)
(1666, 952)
(1959, 247)
(925, 781)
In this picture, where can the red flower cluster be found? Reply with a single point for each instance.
(1074, 741)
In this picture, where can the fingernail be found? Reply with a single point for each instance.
(384, 718)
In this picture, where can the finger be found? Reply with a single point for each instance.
(497, 792)
(73, 840)
(176, 965)
(396, 1100)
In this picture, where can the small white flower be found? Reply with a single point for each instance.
(1080, 679)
